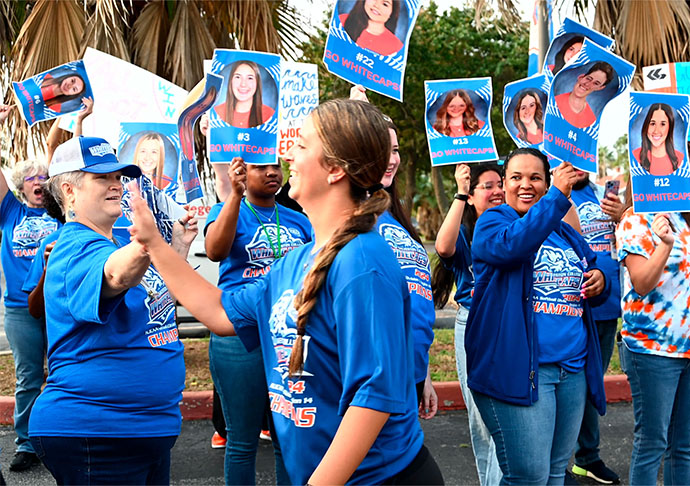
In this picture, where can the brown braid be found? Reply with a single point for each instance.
(354, 137)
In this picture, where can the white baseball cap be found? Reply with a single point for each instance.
(88, 154)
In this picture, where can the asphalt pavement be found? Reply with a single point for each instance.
(446, 436)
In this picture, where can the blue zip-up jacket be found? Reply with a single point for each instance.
(501, 336)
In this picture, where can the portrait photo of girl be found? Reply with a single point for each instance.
(244, 105)
(57, 91)
(528, 117)
(372, 24)
(456, 117)
(570, 48)
(151, 148)
(657, 153)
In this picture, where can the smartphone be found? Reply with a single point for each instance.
(612, 187)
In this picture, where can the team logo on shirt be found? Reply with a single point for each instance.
(283, 325)
(408, 251)
(596, 225)
(28, 234)
(158, 300)
(557, 270)
(259, 249)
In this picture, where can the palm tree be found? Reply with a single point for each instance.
(170, 38)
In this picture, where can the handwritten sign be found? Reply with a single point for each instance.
(299, 94)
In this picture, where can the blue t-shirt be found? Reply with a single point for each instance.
(252, 253)
(558, 277)
(598, 230)
(358, 351)
(38, 263)
(414, 263)
(461, 266)
(116, 365)
(23, 228)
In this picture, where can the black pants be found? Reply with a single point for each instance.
(422, 470)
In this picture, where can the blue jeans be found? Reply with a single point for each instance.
(488, 470)
(106, 460)
(241, 384)
(587, 450)
(534, 443)
(27, 338)
(661, 404)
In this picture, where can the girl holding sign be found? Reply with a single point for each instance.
(57, 91)
(527, 118)
(243, 107)
(338, 417)
(531, 342)
(372, 23)
(655, 349)
(456, 116)
(658, 155)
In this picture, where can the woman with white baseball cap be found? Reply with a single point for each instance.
(109, 413)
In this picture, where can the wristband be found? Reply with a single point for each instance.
(461, 197)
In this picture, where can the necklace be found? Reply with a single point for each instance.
(276, 254)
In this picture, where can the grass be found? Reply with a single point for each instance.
(441, 361)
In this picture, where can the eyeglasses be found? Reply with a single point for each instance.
(40, 178)
(489, 186)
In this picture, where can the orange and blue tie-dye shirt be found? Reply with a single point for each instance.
(659, 322)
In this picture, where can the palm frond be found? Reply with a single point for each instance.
(49, 37)
(252, 23)
(507, 12)
(105, 29)
(149, 35)
(189, 43)
(8, 24)
(290, 27)
(646, 33)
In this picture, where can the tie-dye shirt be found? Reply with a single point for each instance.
(657, 323)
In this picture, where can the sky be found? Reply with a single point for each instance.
(611, 128)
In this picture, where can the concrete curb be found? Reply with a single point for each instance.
(199, 405)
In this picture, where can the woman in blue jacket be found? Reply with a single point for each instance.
(532, 348)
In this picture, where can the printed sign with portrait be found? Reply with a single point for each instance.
(659, 166)
(568, 42)
(367, 43)
(299, 95)
(458, 122)
(578, 95)
(53, 93)
(244, 120)
(524, 103)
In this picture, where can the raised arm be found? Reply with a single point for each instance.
(220, 234)
(4, 113)
(644, 272)
(448, 233)
(124, 269)
(200, 297)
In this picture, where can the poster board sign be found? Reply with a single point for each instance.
(659, 167)
(577, 97)
(299, 95)
(367, 44)
(458, 121)
(524, 103)
(53, 93)
(124, 92)
(244, 120)
(568, 42)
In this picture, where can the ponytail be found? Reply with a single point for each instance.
(361, 221)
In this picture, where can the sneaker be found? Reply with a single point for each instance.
(23, 461)
(218, 441)
(597, 471)
(570, 479)
(265, 435)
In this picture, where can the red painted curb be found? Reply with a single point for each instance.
(450, 398)
(199, 405)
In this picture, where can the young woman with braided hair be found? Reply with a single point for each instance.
(332, 316)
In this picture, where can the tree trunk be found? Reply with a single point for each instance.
(441, 198)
